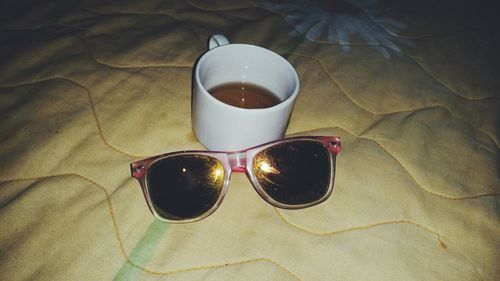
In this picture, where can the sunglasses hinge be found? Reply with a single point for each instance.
(137, 169)
(334, 145)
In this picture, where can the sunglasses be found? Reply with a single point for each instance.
(187, 186)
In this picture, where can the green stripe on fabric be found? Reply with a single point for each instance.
(295, 43)
(301, 37)
(142, 251)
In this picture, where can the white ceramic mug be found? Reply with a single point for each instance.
(222, 127)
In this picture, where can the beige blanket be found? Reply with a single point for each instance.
(412, 88)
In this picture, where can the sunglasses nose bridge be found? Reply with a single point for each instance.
(238, 161)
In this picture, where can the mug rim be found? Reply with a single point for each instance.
(290, 99)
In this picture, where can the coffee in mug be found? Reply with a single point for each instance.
(243, 95)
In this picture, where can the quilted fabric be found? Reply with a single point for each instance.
(411, 87)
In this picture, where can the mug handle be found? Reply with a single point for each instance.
(217, 40)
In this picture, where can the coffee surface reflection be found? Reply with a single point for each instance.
(244, 95)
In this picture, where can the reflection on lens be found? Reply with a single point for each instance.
(185, 186)
(294, 173)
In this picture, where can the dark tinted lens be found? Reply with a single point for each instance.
(294, 173)
(186, 186)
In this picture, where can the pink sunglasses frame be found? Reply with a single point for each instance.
(240, 162)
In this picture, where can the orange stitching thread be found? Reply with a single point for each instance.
(436, 106)
(428, 190)
(220, 10)
(411, 176)
(444, 84)
(393, 157)
(356, 228)
(334, 81)
(98, 125)
(88, 49)
(120, 242)
(195, 268)
(144, 13)
(344, 92)
(101, 135)
(108, 199)
(442, 244)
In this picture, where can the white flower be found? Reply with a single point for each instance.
(336, 20)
